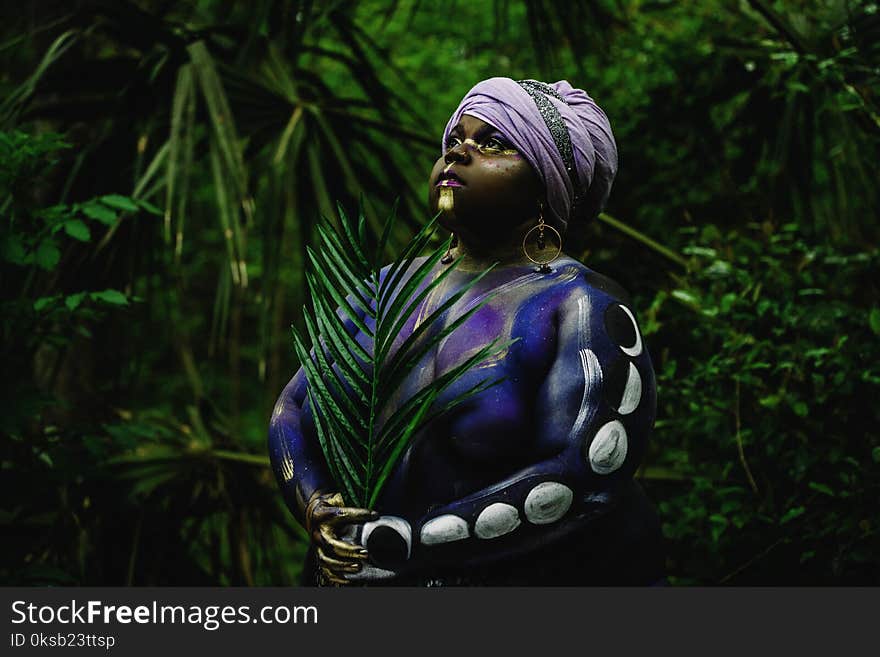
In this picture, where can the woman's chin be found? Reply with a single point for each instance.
(447, 219)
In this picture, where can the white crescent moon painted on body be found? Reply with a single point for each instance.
(636, 349)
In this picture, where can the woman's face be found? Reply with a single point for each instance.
(493, 186)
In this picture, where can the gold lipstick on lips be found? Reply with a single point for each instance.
(446, 201)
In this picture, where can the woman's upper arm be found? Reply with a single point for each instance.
(297, 463)
(598, 402)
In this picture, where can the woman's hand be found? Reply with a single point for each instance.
(326, 520)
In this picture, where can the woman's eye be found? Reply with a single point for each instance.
(452, 142)
(496, 144)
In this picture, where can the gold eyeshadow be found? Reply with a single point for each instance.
(483, 148)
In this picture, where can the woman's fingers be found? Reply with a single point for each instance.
(326, 537)
(335, 515)
(334, 500)
(349, 515)
(336, 556)
(333, 578)
(333, 570)
(338, 564)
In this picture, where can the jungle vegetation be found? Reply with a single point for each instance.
(163, 165)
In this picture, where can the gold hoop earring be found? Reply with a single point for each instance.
(541, 244)
(447, 257)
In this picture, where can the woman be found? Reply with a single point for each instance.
(531, 481)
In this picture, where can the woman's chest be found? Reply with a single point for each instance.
(495, 363)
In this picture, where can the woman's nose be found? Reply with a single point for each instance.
(458, 153)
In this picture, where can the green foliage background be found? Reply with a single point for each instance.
(162, 166)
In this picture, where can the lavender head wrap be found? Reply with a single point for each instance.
(513, 108)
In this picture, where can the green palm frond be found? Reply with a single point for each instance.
(362, 427)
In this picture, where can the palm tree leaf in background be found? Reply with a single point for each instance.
(362, 427)
(14, 104)
(181, 146)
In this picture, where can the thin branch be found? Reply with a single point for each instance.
(241, 457)
(739, 445)
(644, 239)
(135, 544)
(763, 553)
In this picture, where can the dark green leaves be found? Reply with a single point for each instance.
(821, 488)
(112, 297)
(77, 230)
(874, 320)
(779, 379)
(47, 255)
(120, 202)
(74, 301)
(791, 514)
(99, 212)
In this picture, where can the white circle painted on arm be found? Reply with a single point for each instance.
(444, 529)
(608, 449)
(496, 520)
(547, 502)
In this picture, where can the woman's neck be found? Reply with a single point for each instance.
(479, 257)
(477, 253)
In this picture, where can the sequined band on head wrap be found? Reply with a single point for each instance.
(563, 134)
(539, 92)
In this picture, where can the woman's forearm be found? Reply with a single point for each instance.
(297, 462)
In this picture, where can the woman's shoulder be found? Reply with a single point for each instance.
(582, 281)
